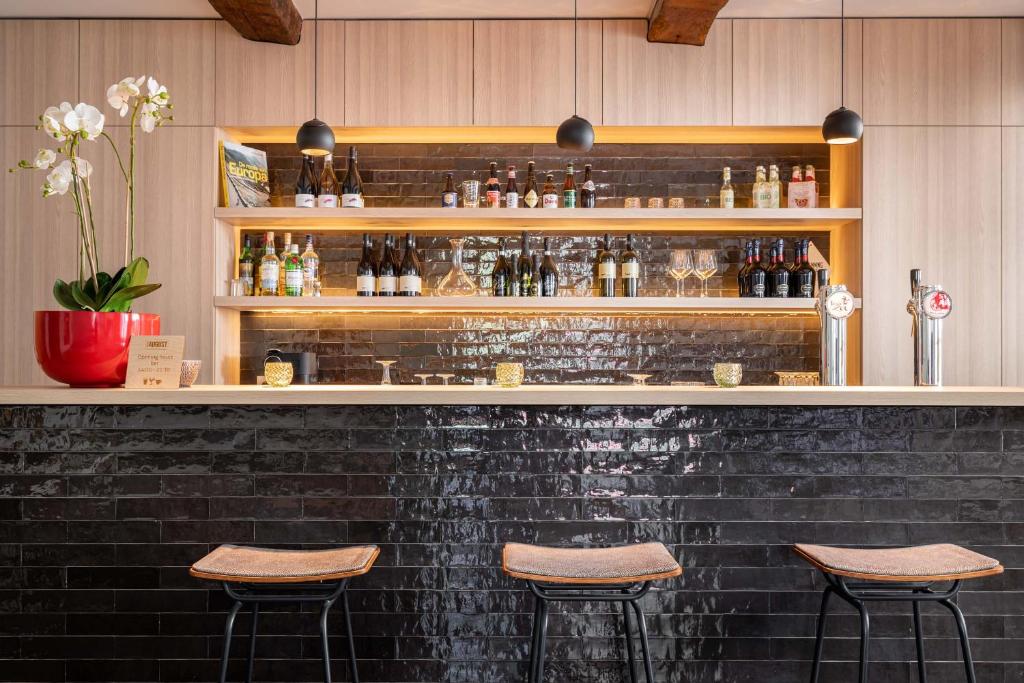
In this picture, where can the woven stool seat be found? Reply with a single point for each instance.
(624, 564)
(939, 562)
(266, 565)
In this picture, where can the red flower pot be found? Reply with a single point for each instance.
(86, 349)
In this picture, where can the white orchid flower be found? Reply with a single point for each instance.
(53, 119)
(82, 167)
(58, 180)
(157, 92)
(119, 94)
(150, 116)
(85, 118)
(44, 158)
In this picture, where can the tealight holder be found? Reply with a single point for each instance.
(728, 375)
(509, 375)
(277, 374)
(189, 372)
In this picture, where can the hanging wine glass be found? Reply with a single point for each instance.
(457, 282)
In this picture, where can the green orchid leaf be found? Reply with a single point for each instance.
(83, 299)
(121, 300)
(118, 285)
(139, 269)
(62, 293)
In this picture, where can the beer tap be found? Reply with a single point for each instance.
(929, 305)
(835, 304)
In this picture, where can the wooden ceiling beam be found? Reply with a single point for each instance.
(265, 21)
(682, 21)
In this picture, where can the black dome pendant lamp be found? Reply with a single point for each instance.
(843, 126)
(575, 133)
(315, 137)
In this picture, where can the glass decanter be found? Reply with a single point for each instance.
(457, 282)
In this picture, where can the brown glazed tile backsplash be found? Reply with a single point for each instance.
(558, 348)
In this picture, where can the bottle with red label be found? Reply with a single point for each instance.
(511, 190)
(493, 188)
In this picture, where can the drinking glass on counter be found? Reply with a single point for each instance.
(471, 194)
(676, 203)
(655, 203)
(705, 263)
(680, 266)
(423, 377)
(386, 376)
(639, 379)
(632, 203)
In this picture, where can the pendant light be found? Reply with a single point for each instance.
(315, 137)
(575, 133)
(843, 126)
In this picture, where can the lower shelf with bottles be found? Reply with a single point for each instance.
(492, 304)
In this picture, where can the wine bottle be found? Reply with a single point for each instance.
(530, 197)
(513, 274)
(328, 196)
(410, 277)
(305, 187)
(282, 257)
(511, 190)
(630, 269)
(549, 198)
(606, 268)
(245, 268)
(757, 275)
(780, 274)
(548, 272)
(493, 188)
(569, 188)
(743, 276)
(535, 285)
(501, 276)
(588, 192)
(449, 197)
(525, 266)
(270, 268)
(804, 276)
(366, 271)
(387, 274)
(352, 188)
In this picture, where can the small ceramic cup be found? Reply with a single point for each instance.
(509, 375)
(189, 372)
(277, 374)
(728, 375)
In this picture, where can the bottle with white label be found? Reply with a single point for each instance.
(511, 190)
(293, 272)
(410, 277)
(727, 196)
(305, 186)
(530, 198)
(630, 270)
(762, 195)
(366, 271)
(774, 187)
(328, 195)
(549, 200)
(310, 270)
(606, 268)
(270, 268)
(352, 188)
(387, 271)
(282, 257)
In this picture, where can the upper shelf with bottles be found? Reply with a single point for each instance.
(561, 220)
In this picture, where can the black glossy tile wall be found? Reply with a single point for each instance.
(102, 509)
(412, 175)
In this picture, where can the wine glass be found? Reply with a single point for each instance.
(680, 266)
(423, 377)
(386, 377)
(705, 263)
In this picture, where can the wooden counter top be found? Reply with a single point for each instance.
(525, 395)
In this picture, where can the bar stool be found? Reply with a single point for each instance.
(621, 574)
(900, 575)
(256, 575)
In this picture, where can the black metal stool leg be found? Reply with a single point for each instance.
(629, 641)
(252, 642)
(534, 638)
(644, 645)
(965, 644)
(229, 628)
(351, 639)
(919, 638)
(323, 640)
(542, 637)
(819, 642)
(865, 640)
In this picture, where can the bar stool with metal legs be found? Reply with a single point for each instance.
(258, 575)
(622, 574)
(860, 576)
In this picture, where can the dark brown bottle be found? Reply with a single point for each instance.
(606, 268)
(569, 188)
(803, 277)
(548, 272)
(630, 269)
(449, 197)
(588, 191)
(493, 188)
(511, 190)
(530, 196)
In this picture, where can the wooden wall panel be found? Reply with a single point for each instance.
(853, 64)
(39, 237)
(179, 54)
(773, 84)
(261, 84)
(523, 72)
(929, 203)
(409, 73)
(1013, 72)
(37, 59)
(652, 84)
(331, 73)
(1013, 255)
(932, 72)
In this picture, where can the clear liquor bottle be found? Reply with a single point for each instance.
(246, 265)
(761, 191)
(726, 195)
(310, 270)
(270, 268)
(282, 257)
(774, 187)
(293, 272)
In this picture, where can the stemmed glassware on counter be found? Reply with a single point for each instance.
(705, 264)
(680, 266)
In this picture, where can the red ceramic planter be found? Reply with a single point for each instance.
(86, 349)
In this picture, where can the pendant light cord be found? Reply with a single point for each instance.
(575, 59)
(842, 53)
(316, 50)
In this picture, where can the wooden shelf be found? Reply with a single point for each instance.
(540, 220)
(482, 304)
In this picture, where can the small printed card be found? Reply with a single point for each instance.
(154, 362)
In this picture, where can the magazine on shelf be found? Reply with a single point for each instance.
(244, 179)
